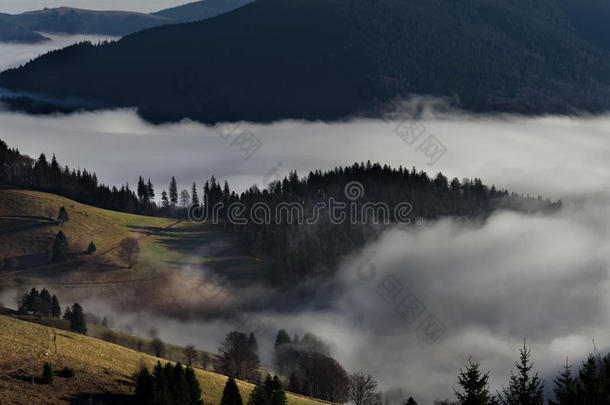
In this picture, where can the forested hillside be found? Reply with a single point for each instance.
(329, 59)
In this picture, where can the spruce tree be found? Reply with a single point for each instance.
(164, 200)
(230, 394)
(282, 338)
(144, 387)
(523, 388)
(410, 401)
(60, 247)
(150, 191)
(278, 396)
(179, 387)
(259, 396)
(68, 314)
(47, 374)
(55, 308)
(589, 391)
(160, 392)
(474, 386)
(91, 248)
(566, 388)
(173, 192)
(193, 387)
(62, 215)
(194, 195)
(77, 320)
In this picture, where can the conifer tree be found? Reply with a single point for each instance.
(259, 396)
(194, 195)
(589, 390)
(410, 401)
(142, 190)
(173, 192)
(179, 387)
(55, 308)
(164, 200)
(47, 374)
(230, 394)
(523, 388)
(144, 386)
(77, 320)
(150, 191)
(60, 247)
(278, 396)
(62, 215)
(160, 392)
(67, 314)
(194, 389)
(91, 248)
(474, 386)
(566, 388)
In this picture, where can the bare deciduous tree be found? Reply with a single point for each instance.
(362, 389)
(129, 250)
(190, 354)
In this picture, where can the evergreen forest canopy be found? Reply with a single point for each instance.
(331, 59)
(293, 249)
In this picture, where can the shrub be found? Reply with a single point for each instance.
(67, 372)
(47, 374)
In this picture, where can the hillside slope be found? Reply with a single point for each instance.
(103, 371)
(329, 59)
(201, 10)
(173, 255)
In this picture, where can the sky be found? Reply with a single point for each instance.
(541, 277)
(148, 6)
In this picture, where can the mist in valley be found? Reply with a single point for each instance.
(489, 285)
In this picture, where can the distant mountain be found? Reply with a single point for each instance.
(11, 32)
(77, 21)
(331, 59)
(201, 10)
(24, 27)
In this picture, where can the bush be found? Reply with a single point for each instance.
(47, 374)
(67, 372)
(91, 249)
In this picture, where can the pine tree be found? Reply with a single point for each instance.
(68, 314)
(77, 320)
(589, 390)
(259, 396)
(91, 248)
(523, 388)
(43, 304)
(410, 401)
(173, 192)
(194, 195)
(142, 191)
(194, 389)
(164, 200)
(178, 387)
(566, 388)
(474, 386)
(278, 396)
(47, 374)
(144, 387)
(150, 191)
(62, 215)
(230, 394)
(55, 308)
(282, 338)
(60, 247)
(160, 392)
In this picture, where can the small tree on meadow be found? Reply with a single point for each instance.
(194, 389)
(60, 247)
(47, 374)
(129, 250)
(91, 248)
(62, 215)
(230, 394)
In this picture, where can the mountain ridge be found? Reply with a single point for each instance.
(333, 59)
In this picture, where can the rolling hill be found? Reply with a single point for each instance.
(103, 371)
(173, 255)
(331, 59)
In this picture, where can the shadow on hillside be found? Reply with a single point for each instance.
(23, 223)
(101, 399)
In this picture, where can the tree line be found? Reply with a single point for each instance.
(43, 304)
